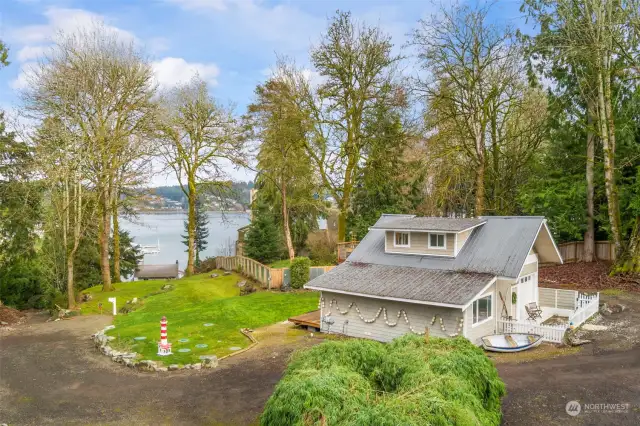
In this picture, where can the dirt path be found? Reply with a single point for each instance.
(50, 373)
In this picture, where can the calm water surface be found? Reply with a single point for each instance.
(167, 229)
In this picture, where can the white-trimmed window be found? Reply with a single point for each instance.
(437, 241)
(401, 239)
(482, 309)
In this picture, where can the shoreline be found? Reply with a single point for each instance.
(186, 211)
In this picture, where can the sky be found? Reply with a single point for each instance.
(232, 44)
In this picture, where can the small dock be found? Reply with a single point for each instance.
(310, 319)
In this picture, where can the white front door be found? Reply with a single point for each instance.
(526, 294)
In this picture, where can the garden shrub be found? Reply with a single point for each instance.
(300, 271)
(408, 382)
(206, 265)
(322, 251)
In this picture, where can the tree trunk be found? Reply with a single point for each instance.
(610, 155)
(285, 220)
(609, 164)
(480, 169)
(191, 226)
(103, 239)
(589, 235)
(71, 298)
(116, 241)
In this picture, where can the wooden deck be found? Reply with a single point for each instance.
(310, 319)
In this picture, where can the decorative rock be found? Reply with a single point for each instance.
(209, 361)
(134, 300)
(187, 366)
(214, 275)
(109, 327)
(110, 338)
(227, 273)
(146, 365)
(86, 297)
(162, 369)
(241, 284)
(174, 367)
(197, 366)
(166, 287)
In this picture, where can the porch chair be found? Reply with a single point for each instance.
(533, 310)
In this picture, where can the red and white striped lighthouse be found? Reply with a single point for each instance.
(164, 347)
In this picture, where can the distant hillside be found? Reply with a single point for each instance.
(239, 193)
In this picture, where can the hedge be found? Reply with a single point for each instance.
(300, 271)
(407, 382)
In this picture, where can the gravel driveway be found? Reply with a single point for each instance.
(51, 374)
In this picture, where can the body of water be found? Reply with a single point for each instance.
(167, 230)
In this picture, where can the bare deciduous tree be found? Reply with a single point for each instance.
(198, 138)
(101, 89)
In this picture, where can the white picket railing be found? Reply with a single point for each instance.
(587, 306)
(549, 333)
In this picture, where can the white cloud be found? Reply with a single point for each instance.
(201, 4)
(171, 71)
(158, 44)
(65, 20)
(29, 53)
(22, 81)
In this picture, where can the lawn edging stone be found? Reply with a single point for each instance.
(128, 359)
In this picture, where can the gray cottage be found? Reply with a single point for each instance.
(455, 276)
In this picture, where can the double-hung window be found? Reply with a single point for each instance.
(401, 239)
(437, 241)
(482, 309)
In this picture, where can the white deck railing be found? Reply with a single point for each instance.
(549, 333)
(587, 306)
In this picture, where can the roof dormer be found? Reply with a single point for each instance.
(431, 236)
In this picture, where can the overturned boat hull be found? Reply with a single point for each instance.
(511, 342)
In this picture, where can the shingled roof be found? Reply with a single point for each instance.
(402, 282)
(444, 224)
(498, 248)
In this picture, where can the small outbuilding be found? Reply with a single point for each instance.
(157, 272)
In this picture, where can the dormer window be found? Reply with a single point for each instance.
(401, 239)
(437, 241)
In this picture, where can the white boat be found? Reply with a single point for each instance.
(511, 342)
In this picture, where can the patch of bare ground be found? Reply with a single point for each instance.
(544, 351)
(591, 276)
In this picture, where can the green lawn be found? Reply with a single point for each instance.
(193, 302)
(283, 263)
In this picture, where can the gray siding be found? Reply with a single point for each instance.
(462, 238)
(475, 333)
(420, 316)
(419, 244)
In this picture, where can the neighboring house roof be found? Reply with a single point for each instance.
(157, 271)
(498, 247)
(429, 224)
(403, 283)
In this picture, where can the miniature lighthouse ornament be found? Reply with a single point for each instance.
(164, 347)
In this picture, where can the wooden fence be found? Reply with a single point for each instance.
(271, 278)
(574, 251)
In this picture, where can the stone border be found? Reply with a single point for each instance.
(128, 359)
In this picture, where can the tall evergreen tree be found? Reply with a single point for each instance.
(263, 241)
(201, 231)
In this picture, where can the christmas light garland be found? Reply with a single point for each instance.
(383, 310)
